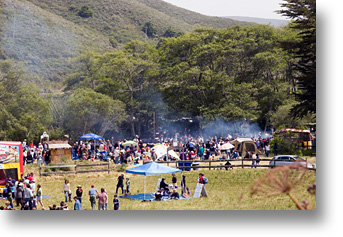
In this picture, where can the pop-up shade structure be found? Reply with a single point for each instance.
(226, 146)
(152, 168)
(91, 136)
(162, 150)
(129, 143)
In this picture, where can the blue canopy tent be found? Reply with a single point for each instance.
(152, 168)
(91, 136)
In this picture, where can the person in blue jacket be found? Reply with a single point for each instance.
(77, 204)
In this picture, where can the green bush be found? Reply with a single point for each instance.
(56, 169)
(85, 12)
(149, 29)
(121, 168)
(170, 32)
(285, 146)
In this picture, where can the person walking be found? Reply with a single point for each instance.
(102, 199)
(39, 196)
(92, 196)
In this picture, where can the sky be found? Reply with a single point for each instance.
(249, 8)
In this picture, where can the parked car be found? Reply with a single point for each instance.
(290, 159)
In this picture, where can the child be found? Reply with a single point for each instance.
(8, 205)
(128, 182)
(116, 202)
(10, 199)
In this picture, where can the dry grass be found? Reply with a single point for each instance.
(225, 189)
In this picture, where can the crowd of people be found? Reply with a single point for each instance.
(27, 196)
(119, 152)
(192, 148)
(23, 194)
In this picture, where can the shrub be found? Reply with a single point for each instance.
(72, 8)
(149, 29)
(121, 168)
(285, 146)
(170, 32)
(85, 12)
(56, 169)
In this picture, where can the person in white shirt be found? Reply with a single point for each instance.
(32, 187)
(267, 149)
(253, 164)
(116, 155)
(66, 190)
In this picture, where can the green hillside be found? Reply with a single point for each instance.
(42, 42)
(124, 19)
(44, 35)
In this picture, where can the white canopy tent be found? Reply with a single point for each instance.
(161, 151)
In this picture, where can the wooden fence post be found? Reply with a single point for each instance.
(108, 165)
(242, 164)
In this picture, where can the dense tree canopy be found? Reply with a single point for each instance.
(303, 12)
(251, 74)
(24, 113)
(89, 111)
(238, 73)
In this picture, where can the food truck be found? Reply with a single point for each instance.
(11, 161)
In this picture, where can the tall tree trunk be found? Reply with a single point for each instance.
(133, 132)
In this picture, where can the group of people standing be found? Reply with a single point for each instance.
(24, 193)
(94, 195)
(32, 153)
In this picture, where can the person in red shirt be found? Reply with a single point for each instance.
(30, 178)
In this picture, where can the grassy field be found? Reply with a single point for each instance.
(227, 190)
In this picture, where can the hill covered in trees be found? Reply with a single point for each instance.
(102, 84)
